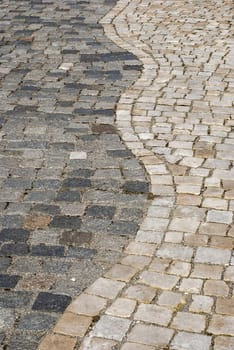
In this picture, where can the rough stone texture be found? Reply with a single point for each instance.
(66, 177)
(177, 119)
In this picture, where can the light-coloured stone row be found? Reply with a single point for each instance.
(173, 288)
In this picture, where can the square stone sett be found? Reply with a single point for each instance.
(135, 346)
(224, 343)
(72, 324)
(174, 237)
(57, 342)
(179, 268)
(140, 248)
(153, 314)
(187, 321)
(201, 303)
(171, 299)
(97, 344)
(221, 325)
(140, 293)
(190, 341)
(105, 288)
(109, 327)
(121, 273)
(86, 304)
(206, 271)
(138, 261)
(158, 280)
(225, 306)
(121, 307)
(191, 285)
(159, 265)
(212, 256)
(216, 288)
(150, 335)
(229, 274)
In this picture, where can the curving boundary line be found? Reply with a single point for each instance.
(168, 221)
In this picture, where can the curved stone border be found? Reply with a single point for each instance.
(139, 277)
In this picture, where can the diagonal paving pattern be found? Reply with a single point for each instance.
(173, 289)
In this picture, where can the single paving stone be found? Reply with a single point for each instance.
(15, 299)
(24, 340)
(212, 256)
(224, 343)
(98, 344)
(57, 342)
(68, 222)
(81, 253)
(150, 335)
(12, 221)
(9, 249)
(5, 262)
(47, 209)
(45, 250)
(221, 325)
(72, 324)
(7, 319)
(119, 153)
(33, 222)
(8, 281)
(51, 302)
(68, 196)
(111, 327)
(86, 304)
(101, 212)
(189, 322)
(225, 306)
(190, 341)
(76, 182)
(123, 228)
(153, 314)
(103, 128)
(36, 322)
(75, 238)
(136, 187)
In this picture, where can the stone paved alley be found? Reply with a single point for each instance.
(117, 186)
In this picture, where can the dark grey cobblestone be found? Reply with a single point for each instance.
(64, 217)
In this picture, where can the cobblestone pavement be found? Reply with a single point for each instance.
(71, 193)
(173, 289)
